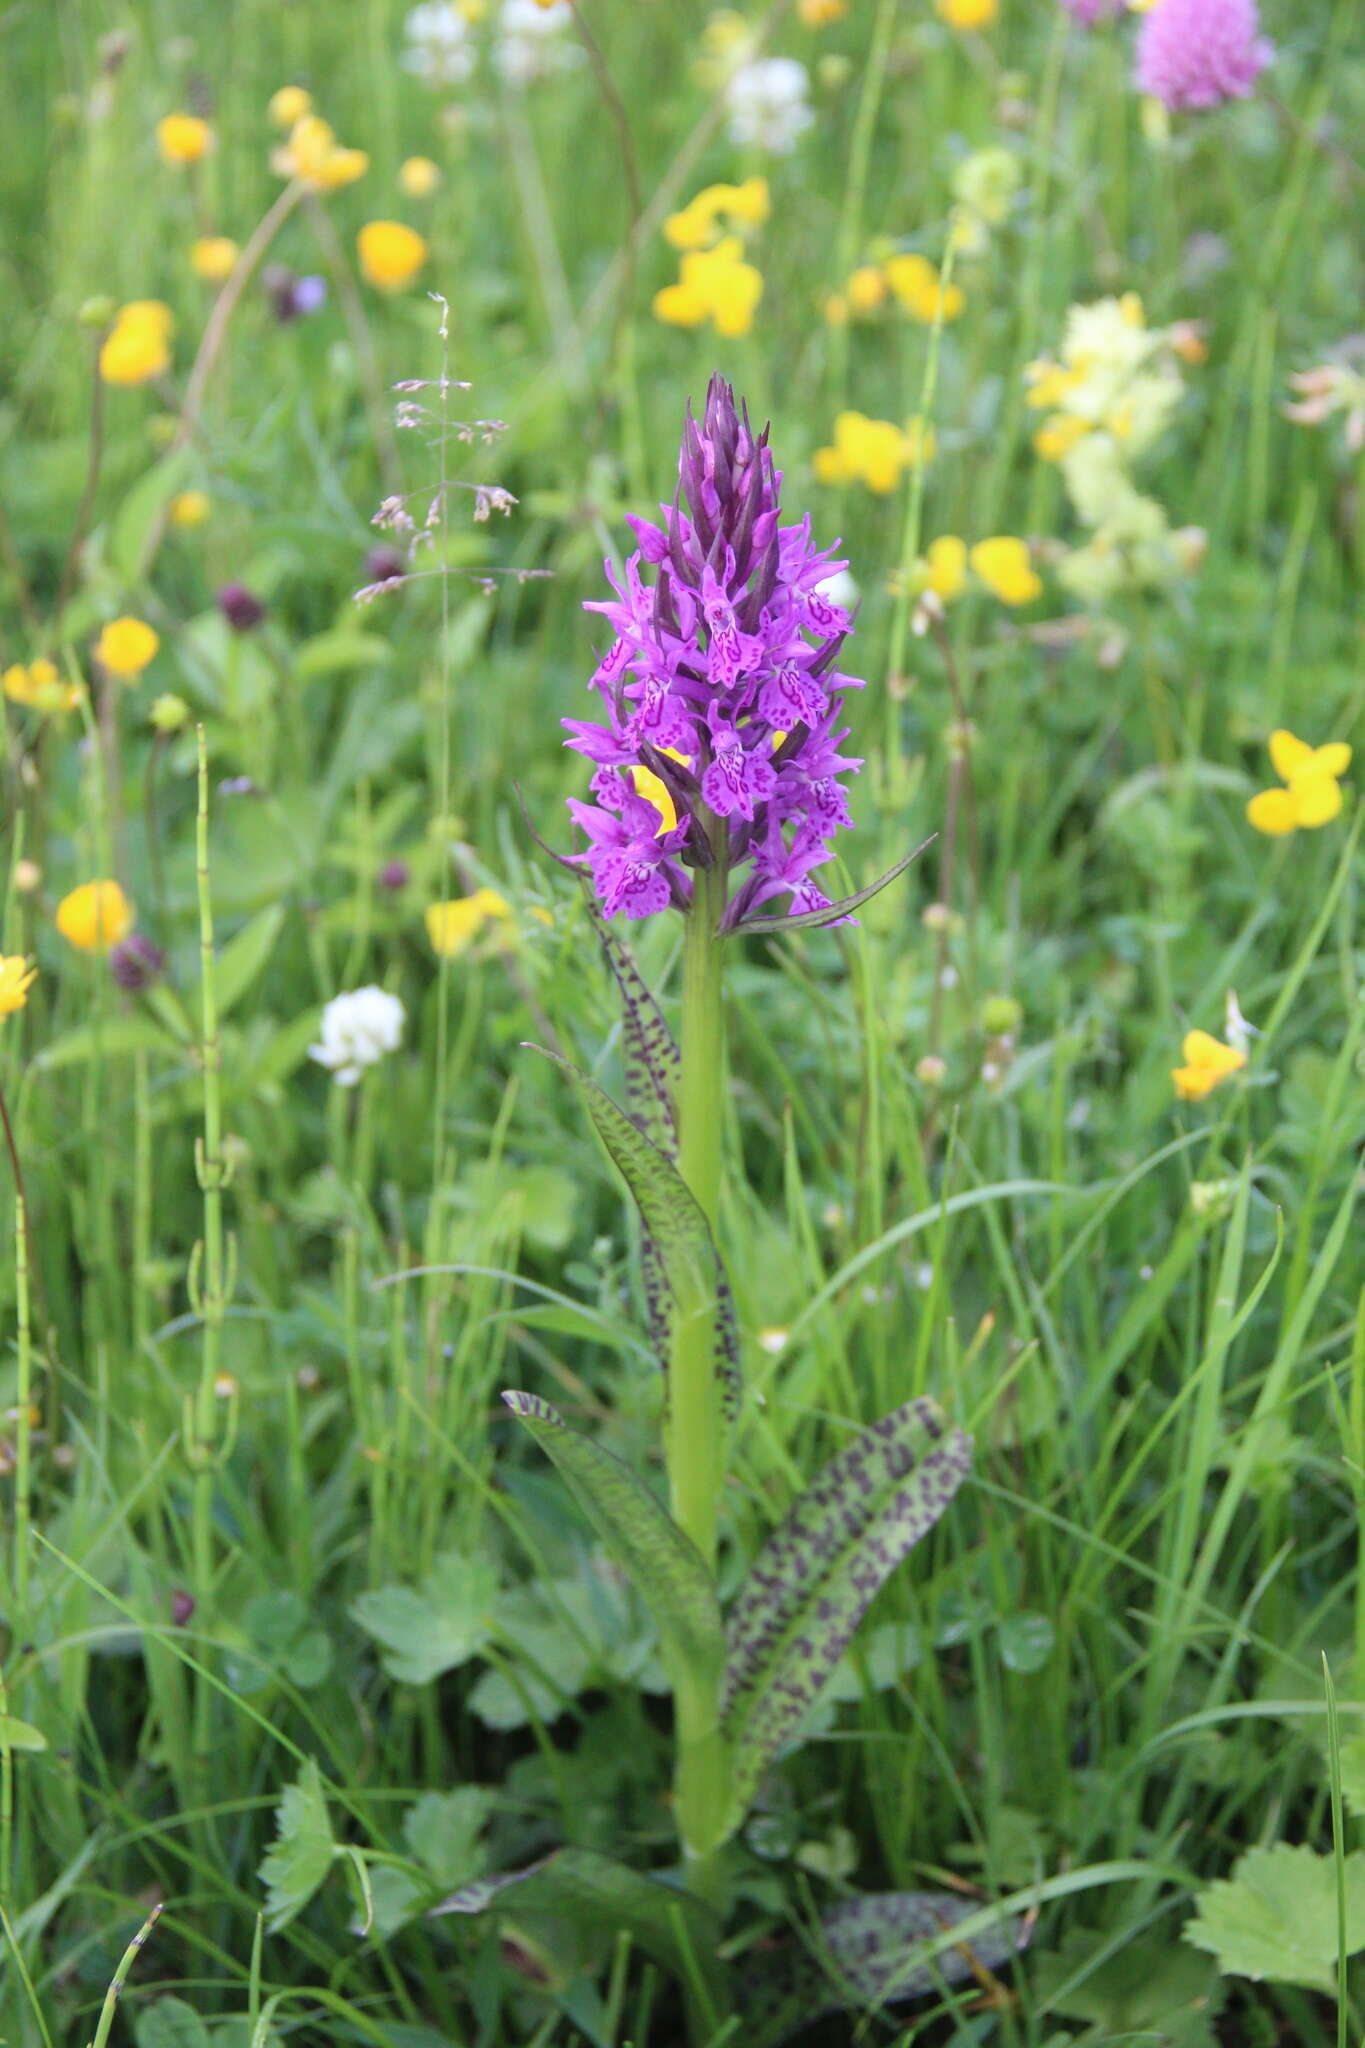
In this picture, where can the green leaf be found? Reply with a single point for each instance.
(1151, 1989)
(443, 1829)
(20, 1734)
(811, 920)
(303, 1851)
(1026, 1642)
(132, 523)
(112, 1038)
(1276, 1916)
(603, 1897)
(170, 2023)
(650, 1056)
(244, 956)
(662, 1562)
(811, 1584)
(683, 1273)
(433, 1627)
(333, 653)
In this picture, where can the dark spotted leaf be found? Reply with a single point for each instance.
(599, 1897)
(663, 1563)
(683, 1274)
(649, 1054)
(882, 1949)
(813, 1580)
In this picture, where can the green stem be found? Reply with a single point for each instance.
(696, 1423)
(210, 1264)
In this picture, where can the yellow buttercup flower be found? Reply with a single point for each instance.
(713, 284)
(16, 979)
(183, 138)
(212, 257)
(1004, 567)
(40, 688)
(918, 286)
(820, 13)
(946, 567)
(419, 177)
(1207, 1062)
(313, 155)
(95, 916)
(289, 105)
(138, 345)
(872, 452)
(189, 508)
(968, 13)
(453, 926)
(125, 647)
(1312, 795)
(390, 254)
(866, 289)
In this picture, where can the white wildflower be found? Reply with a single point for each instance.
(357, 1030)
(769, 103)
(840, 588)
(439, 45)
(531, 43)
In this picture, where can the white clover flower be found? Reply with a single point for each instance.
(357, 1030)
(530, 42)
(769, 103)
(840, 588)
(439, 46)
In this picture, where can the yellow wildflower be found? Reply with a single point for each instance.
(715, 284)
(1004, 567)
(125, 647)
(1048, 383)
(289, 105)
(698, 224)
(390, 254)
(866, 289)
(820, 13)
(1059, 434)
(40, 687)
(872, 452)
(1312, 795)
(419, 177)
(836, 309)
(313, 155)
(453, 926)
(189, 508)
(1207, 1062)
(183, 138)
(138, 345)
(212, 257)
(968, 13)
(946, 567)
(655, 791)
(16, 979)
(95, 916)
(920, 290)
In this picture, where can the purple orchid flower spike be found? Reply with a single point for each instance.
(720, 744)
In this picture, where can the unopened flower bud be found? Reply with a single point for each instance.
(936, 917)
(1001, 1016)
(240, 607)
(182, 1606)
(27, 876)
(394, 875)
(136, 962)
(385, 565)
(97, 312)
(931, 1070)
(169, 713)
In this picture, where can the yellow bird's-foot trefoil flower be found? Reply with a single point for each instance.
(1312, 792)
(16, 979)
(713, 284)
(453, 926)
(1207, 1062)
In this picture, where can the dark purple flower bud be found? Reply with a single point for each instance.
(241, 610)
(721, 691)
(292, 298)
(394, 875)
(182, 1606)
(385, 565)
(136, 962)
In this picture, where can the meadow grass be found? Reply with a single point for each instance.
(255, 1465)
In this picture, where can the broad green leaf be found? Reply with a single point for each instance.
(601, 1897)
(1026, 1642)
(133, 522)
(683, 1273)
(811, 1584)
(332, 653)
(1276, 1916)
(244, 956)
(436, 1626)
(303, 1851)
(111, 1039)
(170, 2023)
(443, 1829)
(1152, 1990)
(663, 1563)
(868, 1958)
(20, 1734)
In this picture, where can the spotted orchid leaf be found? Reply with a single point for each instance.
(883, 1948)
(599, 1897)
(814, 1579)
(683, 1274)
(829, 913)
(649, 1052)
(662, 1562)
